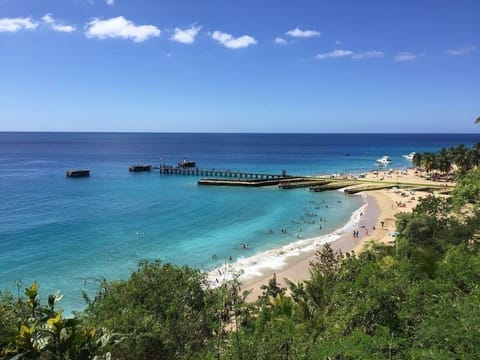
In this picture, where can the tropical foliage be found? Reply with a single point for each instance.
(30, 330)
(462, 158)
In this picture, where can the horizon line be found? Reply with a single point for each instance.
(232, 132)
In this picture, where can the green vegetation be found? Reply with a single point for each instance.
(30, 330)
(417, 299)
(460, 157)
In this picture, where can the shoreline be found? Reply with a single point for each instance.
(381, 206)
(297, 267)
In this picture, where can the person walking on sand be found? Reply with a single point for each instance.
(382, 223)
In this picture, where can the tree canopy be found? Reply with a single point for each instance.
(461, 157)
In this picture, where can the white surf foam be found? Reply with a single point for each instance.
(276, 259)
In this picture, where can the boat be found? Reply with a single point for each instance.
(187, 164)
(410, 156)
(78, 173)
(139, 167)
(384, 160)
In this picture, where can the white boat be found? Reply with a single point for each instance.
(384, 160)
(410, 156)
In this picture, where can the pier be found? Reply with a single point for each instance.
(333, 184)
(171, 170)
(301, 182)
(216, 177)
(242, 182)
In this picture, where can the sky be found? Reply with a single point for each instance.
(347, 66)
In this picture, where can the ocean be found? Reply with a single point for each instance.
(67, 233)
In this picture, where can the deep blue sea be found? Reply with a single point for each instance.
(64, 232)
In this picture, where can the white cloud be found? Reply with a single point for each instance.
(302, 33)
(48, 19)
(340, 53)
(230, 42)
(367, 54)
(120, 27)
(462, 51)
(406, 56)
(17, 24)
(186, 36)
(280, 41)
(63, 28)
(110, 2)
(337, 53)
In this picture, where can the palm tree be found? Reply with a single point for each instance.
(429, 161)
(461, 158)
(282, 306)
(475, 154)
(417, 159)
(444, 162)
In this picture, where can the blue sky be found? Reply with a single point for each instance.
(242, 66)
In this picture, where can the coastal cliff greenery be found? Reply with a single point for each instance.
(416, 299)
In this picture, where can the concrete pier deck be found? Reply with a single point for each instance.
(215, 173)
(241, 182)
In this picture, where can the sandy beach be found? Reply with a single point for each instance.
(382, 206)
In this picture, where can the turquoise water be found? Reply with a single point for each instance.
(62, 232)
